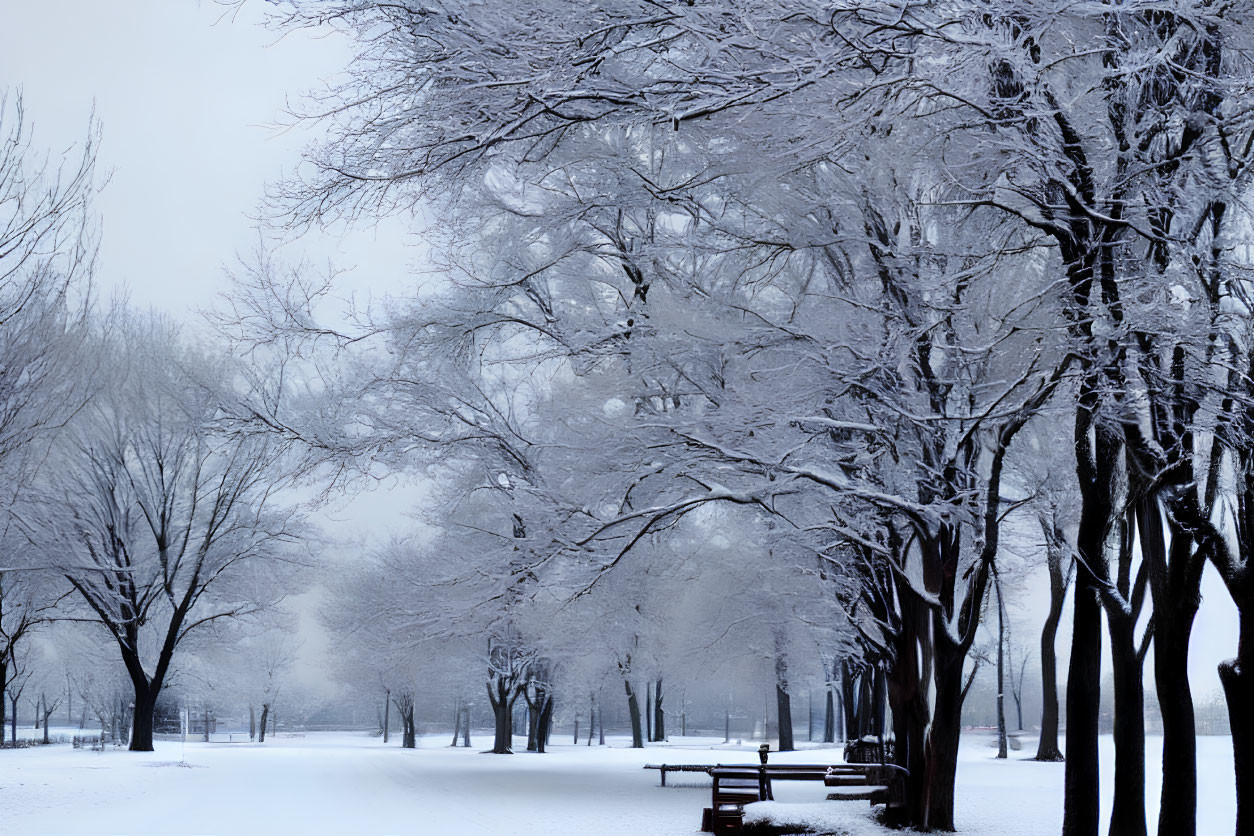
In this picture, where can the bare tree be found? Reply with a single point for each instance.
(162, 521)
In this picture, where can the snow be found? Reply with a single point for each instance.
(342, 782)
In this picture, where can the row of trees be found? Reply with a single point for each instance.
(129, 503)
(830, 275)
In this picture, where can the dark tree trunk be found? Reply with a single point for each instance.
(941, 753)
(1237, 676)
(141, 722)
(1177, 813)
(1175, 584)
(1047, 747)
(853, 688)
(503, 692)
(457, 723)
(829, 716)
(1080, 779)
(533, 727)
(466, 726)
(265, 715)
(545, 722)
(659, 716)
(1001, 674)
(1096, 470)
(879, 705)
(783, 704)
(14, 719)
(633, 709)
(503, 740)
(727, 725)
(1127, 811)
(409, 733)
(387, 713)
(907, 695)
(4, 681)
(252, 722)
(648, 713)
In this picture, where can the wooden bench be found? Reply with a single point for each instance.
(734, 786)
(664, 768)
(877, 783)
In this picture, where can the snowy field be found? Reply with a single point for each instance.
(343, 783)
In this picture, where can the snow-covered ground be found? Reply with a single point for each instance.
(343, 783)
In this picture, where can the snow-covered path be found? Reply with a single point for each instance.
(339, 783)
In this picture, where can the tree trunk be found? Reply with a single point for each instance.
(409, 737)
(265, 715)
(14, 719)
(466, 726)
(1080, 779)
(633, 709)
(1127, 811)
(941, 749)
(1047, 747)
(783, 704)
(648, 713)
(457, 723)
(502, 693)
(141, 722)
(387, 712)
(829, 717)
(503, 740)
(252, 722)
(659, 716)
(851, 685)
(1175, 584)
(1081, 811)
(4, 673)
(1237, 676)
(1001, 674)
(907, 694)
(545, 722)
(727, 725)
(1177, 812)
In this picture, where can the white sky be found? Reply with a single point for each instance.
(189, 94)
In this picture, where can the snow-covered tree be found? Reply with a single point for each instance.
(162, 520)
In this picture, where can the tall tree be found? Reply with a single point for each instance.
(161, 520)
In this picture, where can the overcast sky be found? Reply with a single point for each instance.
(189, 95)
